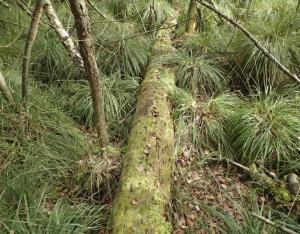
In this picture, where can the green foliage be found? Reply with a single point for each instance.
(249, 223)
(119, 98)
(43, 162)
(202, 121)
(13, 28)
(198, 73)
(150, 13)
(40, 215)
(116, 54)
(278, 31)
(50, 60)
(267, 130)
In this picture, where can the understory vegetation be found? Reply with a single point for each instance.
(230, 103)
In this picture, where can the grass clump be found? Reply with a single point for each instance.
(198, 73)
(119, 99)
(278, 31)
(202, 121)
(117, 53)
(267, 130)
(37, 170)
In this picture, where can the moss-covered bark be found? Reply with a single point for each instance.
(277, 187)
(191, 24)
(142, 202)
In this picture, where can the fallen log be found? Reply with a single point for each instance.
(142, 202)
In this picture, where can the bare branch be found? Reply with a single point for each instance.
(276, 225)
(36, 17)
(5, 90)
(267, 53)
(63, 35)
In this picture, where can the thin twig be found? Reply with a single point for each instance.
(142, 33)
(96, 9)
(277, 225)
(2, 2)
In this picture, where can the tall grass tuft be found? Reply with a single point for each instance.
(267, 130)
(119, 98)
(202, 121)
(278, 30)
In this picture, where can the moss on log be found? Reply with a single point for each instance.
(277, 187)
(142, 202)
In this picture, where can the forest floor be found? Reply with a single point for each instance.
(198, 184)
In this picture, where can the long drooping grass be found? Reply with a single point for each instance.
(118, 53)
(39, 215)
(150, 14)
(267, 130)
(198, 73)
(50, 60)
(250, 224)
(277, 30)
(119, 99)
(202, 122)
(39, 169)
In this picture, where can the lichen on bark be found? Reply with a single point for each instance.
(144, 195)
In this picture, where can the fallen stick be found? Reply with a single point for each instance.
(277, 187)
(276, 225)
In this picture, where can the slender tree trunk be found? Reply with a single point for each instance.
(34, 25)
(86, 45)
(5, 90)
(191, 24)
(144, 195)
(63, 35)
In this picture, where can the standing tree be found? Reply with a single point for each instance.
(191, 24)
(82, 25)
(34, 25)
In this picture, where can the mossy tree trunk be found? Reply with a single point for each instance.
(86, 45)
(191, 24)
(143, 199)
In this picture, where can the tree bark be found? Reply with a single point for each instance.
(86, 45)
(5, 90)
(267, 53)
(33, 29)
(63, 35)
(191, 24)
(144, 195)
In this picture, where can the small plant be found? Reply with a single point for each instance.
(117, 53)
